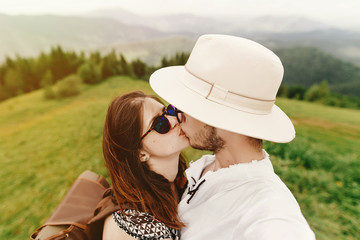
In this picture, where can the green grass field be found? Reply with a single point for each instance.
(46, 144)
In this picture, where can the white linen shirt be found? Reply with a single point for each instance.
(246, 201)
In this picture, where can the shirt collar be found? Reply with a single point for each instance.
(195, 169)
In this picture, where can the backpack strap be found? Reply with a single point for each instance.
(105, 208)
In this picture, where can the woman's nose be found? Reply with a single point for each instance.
(173, 121)
(183, 117)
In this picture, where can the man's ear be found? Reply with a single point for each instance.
(144, 156)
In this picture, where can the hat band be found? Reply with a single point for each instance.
(215, 93)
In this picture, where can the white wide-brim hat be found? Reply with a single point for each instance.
(229, 83)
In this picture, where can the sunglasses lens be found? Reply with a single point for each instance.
(171, 110)
(161, 125)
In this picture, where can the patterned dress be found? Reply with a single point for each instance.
(143, 226)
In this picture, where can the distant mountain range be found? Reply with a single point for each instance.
(28, 35)
(151, 37)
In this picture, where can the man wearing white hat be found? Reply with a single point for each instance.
(227, 90)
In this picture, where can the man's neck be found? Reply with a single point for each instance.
(228, 157)
(237, 149)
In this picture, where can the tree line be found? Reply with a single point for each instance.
(305, 66)
(61, 74)
(319, 93)
(22, 75)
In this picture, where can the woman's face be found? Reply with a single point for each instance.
(161, 145)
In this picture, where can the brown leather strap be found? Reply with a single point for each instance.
(105, 207)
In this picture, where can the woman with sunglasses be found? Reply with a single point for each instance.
(142, 144)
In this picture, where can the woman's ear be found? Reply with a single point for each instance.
(144, 156)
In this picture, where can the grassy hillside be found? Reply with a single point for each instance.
(322, 167)
(45, 145)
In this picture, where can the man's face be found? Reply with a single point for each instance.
(201, 135)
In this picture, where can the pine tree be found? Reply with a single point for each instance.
(139, 68)
(124, 66)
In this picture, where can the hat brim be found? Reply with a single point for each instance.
(275, 127)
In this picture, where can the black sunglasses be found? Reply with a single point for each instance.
(161, 124)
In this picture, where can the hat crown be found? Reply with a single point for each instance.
(239, 65)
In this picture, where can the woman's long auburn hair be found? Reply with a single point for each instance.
(135, 185)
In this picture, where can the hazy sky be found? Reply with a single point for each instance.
(345, 13)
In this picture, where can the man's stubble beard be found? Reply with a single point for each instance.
(207, 139)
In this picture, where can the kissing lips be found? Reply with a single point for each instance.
(181, 132)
